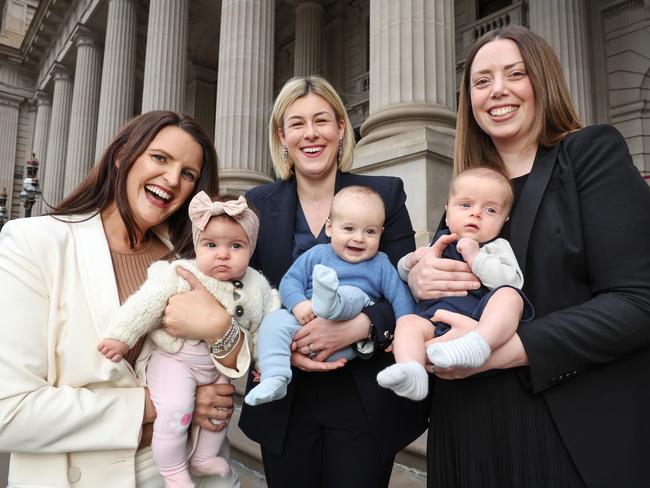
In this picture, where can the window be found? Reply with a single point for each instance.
(488, 7)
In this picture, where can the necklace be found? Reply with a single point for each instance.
(315, 204)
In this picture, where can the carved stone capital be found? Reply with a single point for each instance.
(42, 98)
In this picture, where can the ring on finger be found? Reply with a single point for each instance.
(309, 349)
(222, 409)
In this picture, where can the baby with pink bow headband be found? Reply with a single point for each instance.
(224, 233)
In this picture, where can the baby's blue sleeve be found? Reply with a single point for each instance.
(294, 284)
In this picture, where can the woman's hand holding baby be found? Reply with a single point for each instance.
(195, 314)
(433, 277)
(213, 404)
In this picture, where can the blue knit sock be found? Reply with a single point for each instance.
(269, 389)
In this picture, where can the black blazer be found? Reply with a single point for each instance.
(395, 421)
(581, 233)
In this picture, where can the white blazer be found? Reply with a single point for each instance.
(70, 417)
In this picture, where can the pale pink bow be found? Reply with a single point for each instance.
(202, 208)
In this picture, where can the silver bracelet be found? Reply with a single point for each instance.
(227, 342)
(227, 351)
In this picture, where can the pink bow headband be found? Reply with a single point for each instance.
(201, 209)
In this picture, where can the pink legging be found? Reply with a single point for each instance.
(172, 381)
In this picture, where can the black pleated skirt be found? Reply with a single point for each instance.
(489, 431)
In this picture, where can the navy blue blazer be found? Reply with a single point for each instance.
(581, 234)
(395, 421)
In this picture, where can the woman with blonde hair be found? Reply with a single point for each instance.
(566, 403)
(336, 427)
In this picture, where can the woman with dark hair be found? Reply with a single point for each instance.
(566, 401)
(69, 415)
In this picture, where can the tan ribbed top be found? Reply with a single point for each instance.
(130, 272)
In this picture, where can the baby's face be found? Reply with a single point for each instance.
(223, 250)
(355, 228)
(477, 208)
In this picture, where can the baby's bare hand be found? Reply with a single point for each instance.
(468, 247)
(303, 312)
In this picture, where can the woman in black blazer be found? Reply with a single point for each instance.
(336, 427)
(571, 404)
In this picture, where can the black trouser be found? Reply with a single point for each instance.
(328, 443)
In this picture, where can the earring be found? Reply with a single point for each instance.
(285, 154)
(340, 154)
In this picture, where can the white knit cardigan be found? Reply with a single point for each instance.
(142, 311)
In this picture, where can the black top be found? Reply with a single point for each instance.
(581, 234)
(394, 421)
(303, 239)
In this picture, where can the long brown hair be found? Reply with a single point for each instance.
(106, 183)
(555, 114)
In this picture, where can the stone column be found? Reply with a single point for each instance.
(334, 35)
(244, 93)
(9, 107)
(118, 73)
(412, 66)
(563, 23)
(410, 130)
(201, 96)
(57, 139)
(83, 115)
(166, 56)
(39, 147)
(308, 53)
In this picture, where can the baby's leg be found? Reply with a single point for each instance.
(333, 302)
(407, 377)
(171, 386)
(497, 324)
(274, 339)
(205, 461)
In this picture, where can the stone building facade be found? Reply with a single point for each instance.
(73, 71)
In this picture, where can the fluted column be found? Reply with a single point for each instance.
(308, 53)
(334, 39)
(412, 66)
(166, 56)
(201, 96)
(83, 115)
(118, 73)
(9, 108)
(410, 129)
(57, 140)
(244, 92)
(41, 129)
(563, 23)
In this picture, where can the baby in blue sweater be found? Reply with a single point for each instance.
(334, 281)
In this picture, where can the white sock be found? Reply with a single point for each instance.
(325, 283)
(468, 351)
(270, 389)
(408, 380)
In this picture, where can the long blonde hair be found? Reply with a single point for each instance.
(292, 90)
(555, 114)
